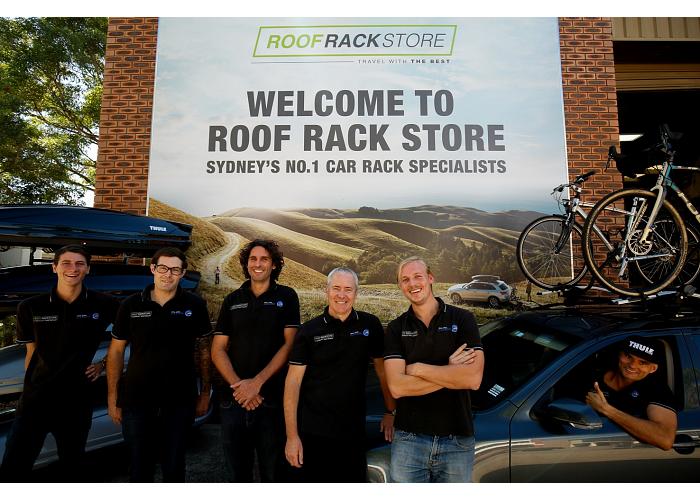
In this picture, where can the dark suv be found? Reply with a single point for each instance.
(531, 423)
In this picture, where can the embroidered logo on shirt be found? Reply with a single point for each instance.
(141, 314)
(45, 319)
(238, 306)
(188, 313)
(321, 338)
(444, 329)
(88, 316)
(280, 303)
(635, 393)
(364, 333)
(409, 333)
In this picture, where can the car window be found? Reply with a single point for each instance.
(8, 406)
(579, 380)
(7, 330)
(503, 286)
(514, 354)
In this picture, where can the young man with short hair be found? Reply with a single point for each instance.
(433, 358)
(61, 331)
(629, 396)
(252, 340)
(157, 399)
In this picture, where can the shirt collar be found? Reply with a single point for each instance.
(146, 294)
(54, 298)
(328, 319)
(442, 308)
(272, 287)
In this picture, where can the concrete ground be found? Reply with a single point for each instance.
(205, 462)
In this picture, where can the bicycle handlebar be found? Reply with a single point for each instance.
(578, 180)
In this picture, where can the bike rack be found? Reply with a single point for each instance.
(577, 294)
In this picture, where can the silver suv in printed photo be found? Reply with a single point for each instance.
(495, 293)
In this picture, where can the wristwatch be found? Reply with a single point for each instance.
(392, 412)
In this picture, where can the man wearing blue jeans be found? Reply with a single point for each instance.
(252, 341)
(432, 358)
(157, 398)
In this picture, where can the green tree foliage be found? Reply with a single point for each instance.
(451, 260)
(375, 265)
(51, 73)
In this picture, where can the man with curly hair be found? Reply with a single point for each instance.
(253, 338)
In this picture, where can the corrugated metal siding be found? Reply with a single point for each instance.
(657, 76)
(656, 28)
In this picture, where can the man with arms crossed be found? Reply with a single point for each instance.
(252, 340)
(61, 331)
(324, 394)
(639, 403)
(433, 358)
(157, 398)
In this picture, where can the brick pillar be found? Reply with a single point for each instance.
(590, 107)
(121, 178)
(590, 100)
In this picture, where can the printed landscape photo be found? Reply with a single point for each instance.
(458, 242)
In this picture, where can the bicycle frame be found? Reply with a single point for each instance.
(572, 206)
(662, 186)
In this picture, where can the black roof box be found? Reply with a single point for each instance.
(102, 232)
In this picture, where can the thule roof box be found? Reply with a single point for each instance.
(102, 232)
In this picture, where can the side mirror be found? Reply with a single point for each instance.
(572, 412)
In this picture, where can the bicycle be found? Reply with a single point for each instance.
(545, 247)
(640, 228)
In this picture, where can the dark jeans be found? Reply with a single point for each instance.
(245, 432)
(329, 460)
(26, 438)
(157, 435)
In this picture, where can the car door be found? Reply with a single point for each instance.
(482, 291)
(547, 450)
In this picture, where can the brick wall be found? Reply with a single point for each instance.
(590, 107)
(125, 119)
(590, 101)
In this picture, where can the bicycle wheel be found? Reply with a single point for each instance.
(691, 268)
(613, 248)
(546, 255)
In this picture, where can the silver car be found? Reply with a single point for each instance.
(495, 293)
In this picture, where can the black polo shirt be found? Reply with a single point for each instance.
(161, 372)
(336, 355)
(446, 411)
(66, 337)
(255, 327)
(635, 398)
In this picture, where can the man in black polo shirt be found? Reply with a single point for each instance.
(253, 337)
(636, 401)
(157, 398)
(432, 357)
(61, 331)
(324, 394)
